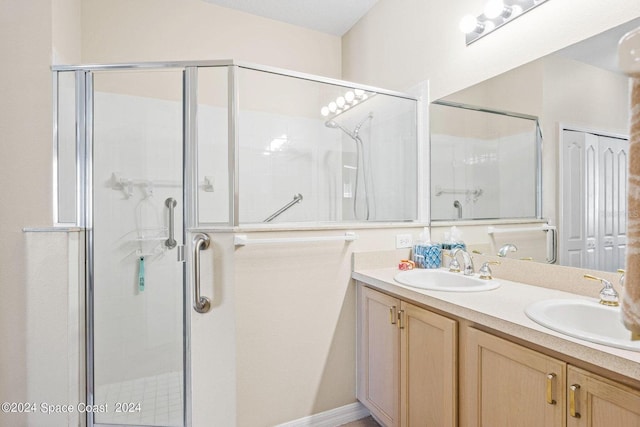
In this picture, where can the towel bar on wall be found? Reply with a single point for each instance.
(543, 227)
(243, 240)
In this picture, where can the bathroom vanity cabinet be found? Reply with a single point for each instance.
(409, 356)
(595, 401)
(406, 362)
(506, 384)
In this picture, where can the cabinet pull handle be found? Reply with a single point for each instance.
(550, 378)
(393, 315)
(572, 401)
(401, 319)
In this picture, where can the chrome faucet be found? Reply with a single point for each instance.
(505, 249)
(466, 259)
(608, 295)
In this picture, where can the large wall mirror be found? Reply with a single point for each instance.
(577, 101)
(486, 163)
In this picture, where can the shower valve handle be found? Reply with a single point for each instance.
(171, 241)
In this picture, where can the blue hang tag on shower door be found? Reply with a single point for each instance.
(141, 274)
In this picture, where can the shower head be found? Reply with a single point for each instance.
(335, 125)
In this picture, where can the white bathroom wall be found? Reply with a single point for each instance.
(295, 323)
(499, 167)
(170, 30)
(66, 29)
(25, 173)
(282, 156)
(54, 325)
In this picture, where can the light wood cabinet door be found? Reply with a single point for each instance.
(594, 401)
(428, 368)
(379, 355)
(505, 384)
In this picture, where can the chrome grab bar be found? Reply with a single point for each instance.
(296, 199)
(200, 242)
(171, 204)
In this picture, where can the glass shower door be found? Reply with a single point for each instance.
(137, 234)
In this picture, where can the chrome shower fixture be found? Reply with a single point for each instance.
(360, 161)
(352, 134)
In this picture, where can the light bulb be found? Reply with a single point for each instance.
(324, 111)
(346, 107)
(493, 8)
(340, 101)
(333, 107)
(355, 102)
(364, 96)
(468, 24)
(489, 26)
(349, 96)
(516, 10)
(359, 93)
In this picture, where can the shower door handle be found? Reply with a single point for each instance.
(201, 304)
(171, 241)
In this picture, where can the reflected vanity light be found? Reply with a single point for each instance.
(496, 14)
(343, 102)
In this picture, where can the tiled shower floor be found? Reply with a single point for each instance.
(160, 400)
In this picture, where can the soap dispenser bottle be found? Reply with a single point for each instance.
(427, 254)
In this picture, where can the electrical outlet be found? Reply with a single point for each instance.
(404, 241)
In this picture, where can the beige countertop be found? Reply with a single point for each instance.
(502, 310)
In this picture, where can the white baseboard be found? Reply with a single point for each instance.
(331, 418)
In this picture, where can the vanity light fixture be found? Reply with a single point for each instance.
(496, 14)
(344, 102)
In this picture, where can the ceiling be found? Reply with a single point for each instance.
(328, 16)
(600, 50)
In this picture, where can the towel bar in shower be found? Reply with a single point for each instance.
(243, 240)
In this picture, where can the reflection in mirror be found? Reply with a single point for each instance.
(486, 163)
(581, 100)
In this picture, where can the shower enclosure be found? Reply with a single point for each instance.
(149, 156)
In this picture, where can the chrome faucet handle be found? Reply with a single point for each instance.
(608, 295)
(454, 265)
(485, 271)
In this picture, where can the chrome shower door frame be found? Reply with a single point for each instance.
(84, 178)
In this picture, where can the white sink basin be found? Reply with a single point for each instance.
(442, 280)
(584, 319)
